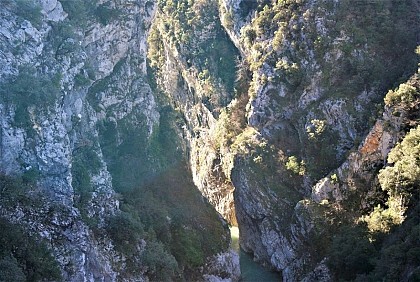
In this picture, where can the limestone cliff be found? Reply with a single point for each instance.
(125, 126)
(311, 77)
(86, 135)
(319, 69)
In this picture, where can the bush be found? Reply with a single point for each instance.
(29, 10)
(125, 230)
(400, 252)
(351, 253)
(10, 270)
(78, 10)
(63, 39)
(30, 89)
(404, 94)
(296, 167)
(186, 247)
(15, 190)
(22, 253)
(105, 13)
(402, 178)
(161, 265)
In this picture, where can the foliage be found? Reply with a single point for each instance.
(189, 232)
(400, 180)
(79, 11)
(387, 248)
(405, 94)
(400, 251)
(126, 159)
(63, 38)
(29, 10)
(10, 270)
(30, 90)
(155, 52)
(382, 220)
(187, 248)
(334, 178)
(150, 173)
(16, 190)
(206, 47)
(85, 163)
(24, 257)
(351, 253)
(105, 13)
(162, 266)
(229, 128)
(81, 80)
(316, 128)
(352, 53)
(30, 175)
(126, 231)
(295, 166)
(82, 12)
(403, 176)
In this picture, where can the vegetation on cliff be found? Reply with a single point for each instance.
(382, 244)
(275, 122)
(24, 256)
(309, 87)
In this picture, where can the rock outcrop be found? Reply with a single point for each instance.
(131, 122)
(80, 120)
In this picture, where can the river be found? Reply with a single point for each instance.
(250, 270)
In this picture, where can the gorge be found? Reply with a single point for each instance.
(134, 133)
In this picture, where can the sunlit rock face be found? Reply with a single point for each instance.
(318, 144)
(133, 121)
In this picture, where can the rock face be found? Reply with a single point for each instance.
(54, 141)
(113, 113)
(310, 111)
(80, 120)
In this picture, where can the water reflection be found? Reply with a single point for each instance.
(250, 270)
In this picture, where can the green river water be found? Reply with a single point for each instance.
(250, 270)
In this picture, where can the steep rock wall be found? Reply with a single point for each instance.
(193, 60)
(309, 81)
(80, 121)
(313, 89)
(263, 104)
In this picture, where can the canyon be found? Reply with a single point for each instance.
(135, 132)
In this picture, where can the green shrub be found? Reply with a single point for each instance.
(400, 251)
(316, 128)
(15, 190)
(63, 38)
(161, 265)
(79, 11)
(186, 247)
(125, 230)
(30, 89)
(351, 253)
(80, 80)
(405, 94)
(295, 166)
(31, 175)
(29, 10)
(214, 52)
(10, 270)
(400, 180)
(105, 13)
(25, 254)
(402, 177)
(191, 231)
(85, 163)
